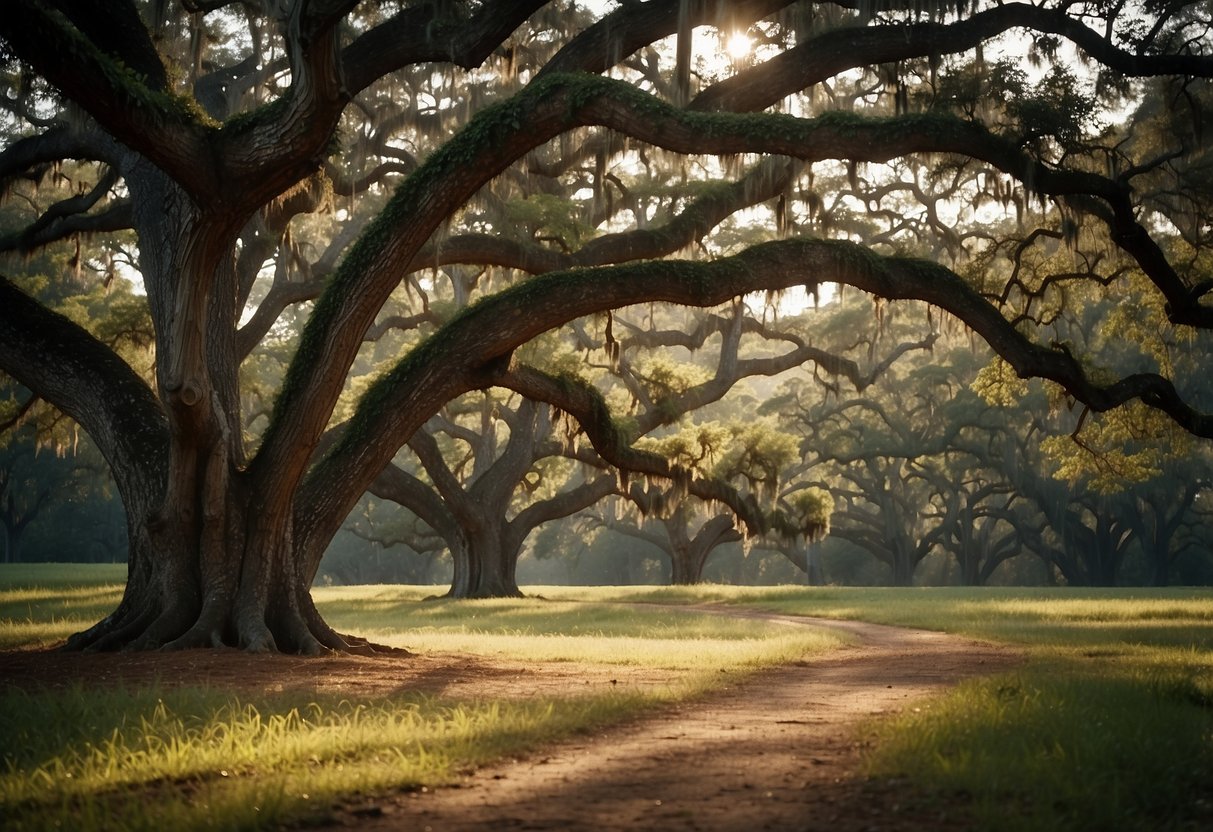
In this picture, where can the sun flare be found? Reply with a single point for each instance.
(738, 45)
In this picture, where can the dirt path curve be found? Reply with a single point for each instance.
(779, 751)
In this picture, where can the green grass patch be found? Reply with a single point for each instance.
(1108, 724)
(1028, 616)
(191, 759)
(44, 603)
(160, 759)
(1065, 747)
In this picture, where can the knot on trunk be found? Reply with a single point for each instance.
(187, 392)
(190, 394)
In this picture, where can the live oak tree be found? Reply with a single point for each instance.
(215, 127)
(485, 481)
(485, 496)
(690, 400)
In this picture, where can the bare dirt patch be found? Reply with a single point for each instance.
(778, 750)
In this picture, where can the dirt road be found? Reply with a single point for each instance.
(780, 751)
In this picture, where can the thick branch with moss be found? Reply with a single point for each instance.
(66, 366)
(585, 404)
(819, 58)
(431, 33)
(501, 134)
(474, 348)
(134, 107)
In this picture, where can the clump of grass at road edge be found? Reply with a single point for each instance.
(1059, 746)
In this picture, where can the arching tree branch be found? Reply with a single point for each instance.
(476, 345)
(497, 137)
(67, 367)
(830, 53)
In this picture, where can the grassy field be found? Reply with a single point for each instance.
(160, 759)
(1109, 725)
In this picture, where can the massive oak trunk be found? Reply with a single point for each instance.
(211, 557)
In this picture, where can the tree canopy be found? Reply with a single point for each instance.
(416, 191)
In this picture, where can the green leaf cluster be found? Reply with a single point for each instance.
(805, 513)
(999, 385)
(1057, 107)
(548, 215)
(664, 378)
(1115, 450)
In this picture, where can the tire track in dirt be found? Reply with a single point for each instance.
(780, 750)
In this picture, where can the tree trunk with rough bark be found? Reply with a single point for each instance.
(211, 559)
(485, 566)
(689, 554)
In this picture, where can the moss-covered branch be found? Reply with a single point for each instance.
(66, 366)
(474, 348)
(502, 134)
(132, 106)
(54, 226)
(431, 33)
(821, 57)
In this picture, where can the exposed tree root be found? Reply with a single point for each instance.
(303, 633)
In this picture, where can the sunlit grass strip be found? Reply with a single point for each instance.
(43, 603)
(1055, 748)
(1030, 616)
(183, 760)
(16, 634)
(390, 608)
(546, 630)
(664, 653)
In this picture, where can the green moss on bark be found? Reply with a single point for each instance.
(493, 127)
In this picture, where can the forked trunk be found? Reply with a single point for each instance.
(689, 555)
(485, 565)
(212, 560)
